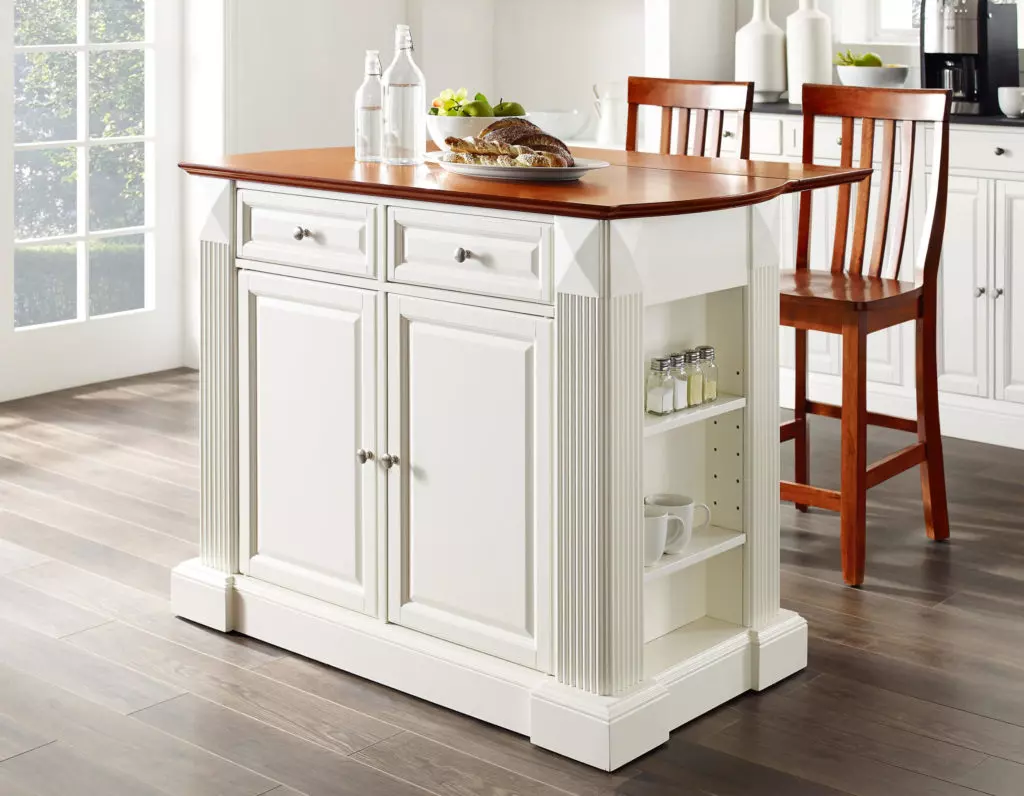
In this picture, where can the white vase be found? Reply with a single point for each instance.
(761, 54)
(809, 38)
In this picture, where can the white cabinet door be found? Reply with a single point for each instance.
(469, 505)
(1009, 304)
(963, 339)
(307, 386)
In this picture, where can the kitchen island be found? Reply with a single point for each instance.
(424, 446)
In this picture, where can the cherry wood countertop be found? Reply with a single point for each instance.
(636, 185)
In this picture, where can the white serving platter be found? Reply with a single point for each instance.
(520, 174)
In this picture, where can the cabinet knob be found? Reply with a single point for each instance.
(839, 141)
(461, 255)
(999, 151)
(979, 292)
(999, 293)
(364, 456)
(388, 460)
(727, 134)
(301, 233)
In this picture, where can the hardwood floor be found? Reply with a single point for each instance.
(914, 685)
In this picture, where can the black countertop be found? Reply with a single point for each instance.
(786, 109)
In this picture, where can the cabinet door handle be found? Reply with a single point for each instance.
(301, 233)
(461, 255)
(999, 151)
(727, 134)
(979, 292)
(999, 293)
(389, 461)
(364, 456)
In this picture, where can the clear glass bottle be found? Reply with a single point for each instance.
(709, 370)
(660, 387)
(370, 113)
(679, 382)
(405, 105)
(694, 378)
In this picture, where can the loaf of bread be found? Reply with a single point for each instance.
(510, 142)
(523, 133)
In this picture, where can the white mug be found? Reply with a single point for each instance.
(657, 536)
(1011, 101)
(682, 507)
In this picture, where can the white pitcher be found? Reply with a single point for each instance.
(612, 108)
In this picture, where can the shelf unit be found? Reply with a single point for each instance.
(661, 424)
(706, 543)
(688, 641)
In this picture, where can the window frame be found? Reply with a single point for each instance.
(878, 34)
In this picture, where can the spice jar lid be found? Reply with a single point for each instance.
(692, 357)
(661, 363)
(706, 351)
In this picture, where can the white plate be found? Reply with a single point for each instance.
(521, 174)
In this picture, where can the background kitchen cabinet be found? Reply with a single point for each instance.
(1008, 292)
(469, 506)
(308, 397)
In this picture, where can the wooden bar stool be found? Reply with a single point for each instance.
(706, 102)
(854, 301)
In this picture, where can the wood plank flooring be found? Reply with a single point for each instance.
(915, 684)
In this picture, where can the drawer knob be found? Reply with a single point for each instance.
(999, 292)
(979, 292)
(301, 233)
(727, 134)
(839, 141)
(388, 460)
(461, 255)
(999, 151)
(364, 456)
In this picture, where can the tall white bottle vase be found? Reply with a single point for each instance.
(809, 38)
(761, 54)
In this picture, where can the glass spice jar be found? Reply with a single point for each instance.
(680, 381)
(694, 379)
(709, 370)
(660, 394)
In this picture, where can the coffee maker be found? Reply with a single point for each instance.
(970, 48)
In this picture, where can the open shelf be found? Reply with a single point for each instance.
(705, 544)
(655, 424)
(692, 639)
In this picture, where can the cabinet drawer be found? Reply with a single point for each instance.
(327, 234)
(975, 150)
(765, 136)
(493, 256)
(828, 141)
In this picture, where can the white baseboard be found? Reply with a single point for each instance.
(602, 731)
(962, 417)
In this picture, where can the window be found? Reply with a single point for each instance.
(83, 154)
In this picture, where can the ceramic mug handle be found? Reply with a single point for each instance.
(707, 521)
(677, 529)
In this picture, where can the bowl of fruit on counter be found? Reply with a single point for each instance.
(457, 114)
(869, 71)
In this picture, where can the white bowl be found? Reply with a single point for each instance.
(874, 76)
(561, 124)
(1011, 101)
(441, 127)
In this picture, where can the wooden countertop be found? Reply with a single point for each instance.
(637, 185)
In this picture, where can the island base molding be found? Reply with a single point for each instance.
(602, 731)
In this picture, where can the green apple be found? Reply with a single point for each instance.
(477, 108)
(868, 59)
(509, 109)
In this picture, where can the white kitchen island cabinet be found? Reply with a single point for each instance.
(424, 447)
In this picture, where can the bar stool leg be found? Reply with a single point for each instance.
(933, 471)
(853, 511)
(802, 440)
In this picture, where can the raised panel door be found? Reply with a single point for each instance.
(1008, 298)
(307, 386)
(469, 504)
(964, 298)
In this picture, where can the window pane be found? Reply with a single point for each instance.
(117, 102)
(117, 20)
(896, 14)
(45, 193)
(45, 107)
(117, 186)
(45, 22)
(45, 284)
(117, 275)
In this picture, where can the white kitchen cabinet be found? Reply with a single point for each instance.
(964, 297)
(469, 504)
(307, 386)
(1008, 292)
